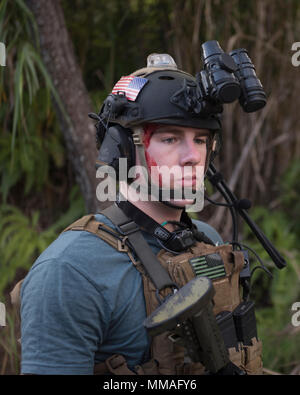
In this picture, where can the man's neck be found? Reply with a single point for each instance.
(159, 212)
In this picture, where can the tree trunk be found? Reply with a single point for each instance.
(59, 58)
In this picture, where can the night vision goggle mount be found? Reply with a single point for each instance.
(225, 78)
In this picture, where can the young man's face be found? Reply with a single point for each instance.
(176, 156)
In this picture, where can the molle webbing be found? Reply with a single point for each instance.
(128, 228)
(104, 232)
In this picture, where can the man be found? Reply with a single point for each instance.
(86, 297)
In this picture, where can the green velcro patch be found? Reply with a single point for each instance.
(211, 266)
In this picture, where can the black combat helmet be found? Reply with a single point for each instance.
(167, 96)
(158, 93)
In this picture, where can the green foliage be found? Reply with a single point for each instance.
(275, 297)
(281, 346)
(29, 137)
(22, 239)
(31, 158)
(32, 149)
(290, 192)
(111, 46)
(9, 343)
(28, 66)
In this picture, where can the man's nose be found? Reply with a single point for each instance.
(192, 154)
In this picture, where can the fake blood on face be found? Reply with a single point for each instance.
(152, 165)
(149, 129)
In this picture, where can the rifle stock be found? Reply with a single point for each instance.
(188, 315)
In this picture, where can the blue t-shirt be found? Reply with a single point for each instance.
(81, 302)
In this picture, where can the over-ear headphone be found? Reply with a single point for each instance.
(117, 143)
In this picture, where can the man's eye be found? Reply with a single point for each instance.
(169, 140)
(200, 140)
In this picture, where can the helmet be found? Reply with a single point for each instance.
(159, 93)
(168, 96)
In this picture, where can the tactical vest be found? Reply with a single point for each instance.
(166, 357)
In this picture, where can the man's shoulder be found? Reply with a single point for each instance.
(81, 254)
(79, 245)
(209, 231)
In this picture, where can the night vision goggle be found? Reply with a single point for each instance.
(225, 78)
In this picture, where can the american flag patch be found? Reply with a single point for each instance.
(210, 266)
(130, 86)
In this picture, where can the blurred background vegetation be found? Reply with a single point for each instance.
(39, 189)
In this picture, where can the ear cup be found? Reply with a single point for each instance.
(117, 143)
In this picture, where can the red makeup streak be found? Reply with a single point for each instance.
(149, 129)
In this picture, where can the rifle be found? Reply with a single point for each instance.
(188, 315)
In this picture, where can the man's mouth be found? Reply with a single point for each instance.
(189, 181)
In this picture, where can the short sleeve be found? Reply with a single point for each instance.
(62, 320)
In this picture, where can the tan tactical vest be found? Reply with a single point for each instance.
(166, 357)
